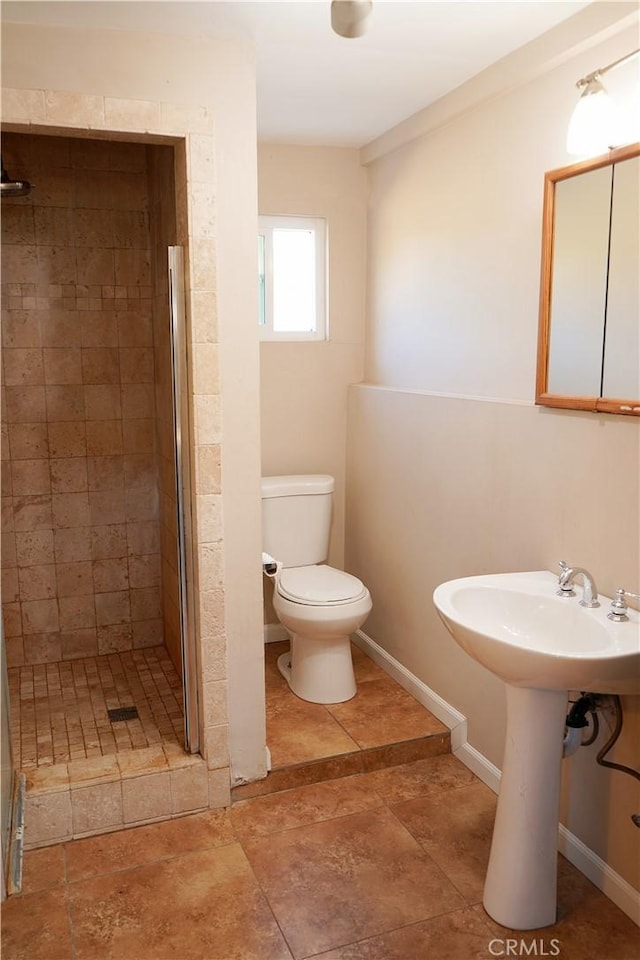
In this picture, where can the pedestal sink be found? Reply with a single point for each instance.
(542, 646)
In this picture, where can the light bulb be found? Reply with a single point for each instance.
(594, 126)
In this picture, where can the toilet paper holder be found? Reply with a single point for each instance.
(270, 565)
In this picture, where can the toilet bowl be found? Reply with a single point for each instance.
(320, 607)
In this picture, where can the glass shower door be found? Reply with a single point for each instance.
(183, 486)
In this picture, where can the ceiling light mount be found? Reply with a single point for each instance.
(349, 17)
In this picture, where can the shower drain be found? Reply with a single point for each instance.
(123, 713)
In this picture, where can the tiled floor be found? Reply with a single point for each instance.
(59, 710)
(309, 742)
(387, 865)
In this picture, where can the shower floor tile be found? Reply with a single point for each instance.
(59, 711)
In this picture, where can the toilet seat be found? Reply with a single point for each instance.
(319, 586)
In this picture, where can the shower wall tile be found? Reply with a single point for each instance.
(23, 104)
(72, 544)
(40, 617)
(23, 442)
(113, 608)
(115, 638)
(67, 439)
(96, 807)
(37, 582)
(75, 579)
(23, 366)
(21, 328)
(217, 746)
(207, 419)
(204, 318)
(79, 643)
(77, 109)
(31, 476)
(68, 475)
(64, 403)
(32, 513)
(25, 404)
(8, 550)
(176, 118)
(12, 620)
(147, 633)
(77, 613)
(34, 547)
(107, 507)
(189, 789)
(208, 469)
(10, 586)
(109, 541)
(104, 438)
(219, 788)
(102, 402)
(82, 478)
(62, 365)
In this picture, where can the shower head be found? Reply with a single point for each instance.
(13, 188)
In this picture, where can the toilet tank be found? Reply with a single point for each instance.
(296, 518)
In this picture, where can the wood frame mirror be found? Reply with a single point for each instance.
(589, 329)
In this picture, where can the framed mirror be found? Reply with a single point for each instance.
(589, 333)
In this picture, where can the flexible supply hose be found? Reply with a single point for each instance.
(635, 817)
(588, 703)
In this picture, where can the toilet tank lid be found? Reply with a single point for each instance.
(297, 486)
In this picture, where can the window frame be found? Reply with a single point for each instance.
(266, 226)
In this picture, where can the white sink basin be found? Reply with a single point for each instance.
(516, 627)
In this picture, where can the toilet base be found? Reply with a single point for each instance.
(319, 671)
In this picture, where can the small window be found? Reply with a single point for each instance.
(292, 278)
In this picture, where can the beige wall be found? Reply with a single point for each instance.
(199, 92)
(442, 487)
(304, 385)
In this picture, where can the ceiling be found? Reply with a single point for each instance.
(315, 87)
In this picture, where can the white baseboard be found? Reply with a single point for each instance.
(447, 714)
(600, 873)
(615, 887)
(478, 764)
(274, 633)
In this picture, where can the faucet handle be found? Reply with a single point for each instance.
(618, 611)
(566, 589)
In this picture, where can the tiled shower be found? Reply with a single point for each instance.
(89, 588)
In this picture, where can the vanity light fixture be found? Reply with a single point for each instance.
(349, 17)
(594, 126)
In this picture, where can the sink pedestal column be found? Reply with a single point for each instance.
(520, 889)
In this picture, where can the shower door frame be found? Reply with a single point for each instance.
(179, 381)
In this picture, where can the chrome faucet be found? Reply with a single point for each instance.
(565, 584)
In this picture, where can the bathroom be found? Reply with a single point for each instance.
(438, 425)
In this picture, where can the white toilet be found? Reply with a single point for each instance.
(319, 605)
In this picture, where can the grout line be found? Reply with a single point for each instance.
(147, 863)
